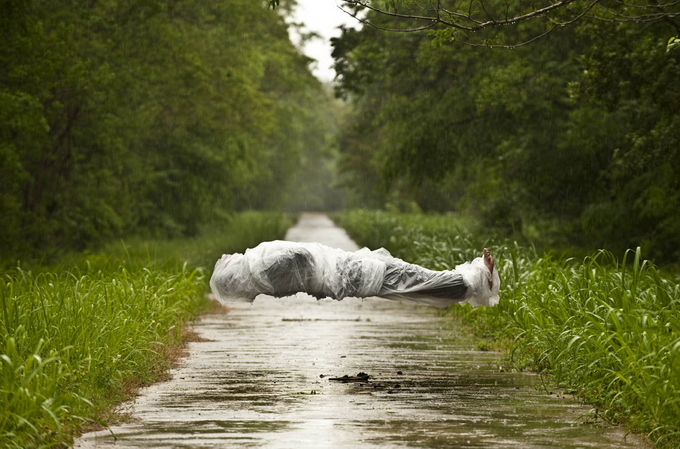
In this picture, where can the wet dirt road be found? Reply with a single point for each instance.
(263, 379)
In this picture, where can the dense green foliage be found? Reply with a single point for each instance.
(77, 340)
(575, 137)
(151, 116)
(609, 331)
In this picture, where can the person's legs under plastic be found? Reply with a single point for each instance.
(410, 278)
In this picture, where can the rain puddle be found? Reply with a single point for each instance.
(263, 378)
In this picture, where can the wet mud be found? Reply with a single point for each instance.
(270, 375)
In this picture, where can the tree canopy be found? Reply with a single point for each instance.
(576, 134)
(147, 116)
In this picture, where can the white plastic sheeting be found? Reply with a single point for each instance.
(282, 268)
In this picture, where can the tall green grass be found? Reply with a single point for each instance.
(607, 329)
(76, 339)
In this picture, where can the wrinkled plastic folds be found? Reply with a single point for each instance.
(282, 268)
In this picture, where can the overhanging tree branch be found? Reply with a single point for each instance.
(479, 15)
(473, 16)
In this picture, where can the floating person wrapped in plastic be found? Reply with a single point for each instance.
(282, 268)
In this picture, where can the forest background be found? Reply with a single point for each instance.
(152, 118)
(158, 117)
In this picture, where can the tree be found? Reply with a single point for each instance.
(149, 116)
(574, 135)
(629, 77)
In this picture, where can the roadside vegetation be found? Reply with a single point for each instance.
(605, 328)
(79, 338)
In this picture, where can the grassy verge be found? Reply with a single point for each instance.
(77, 339)
(607, 329)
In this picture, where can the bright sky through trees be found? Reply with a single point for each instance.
(323, 17)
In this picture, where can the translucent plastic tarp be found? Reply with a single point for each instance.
(282, 268)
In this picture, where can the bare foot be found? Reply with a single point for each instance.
(488, 261)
